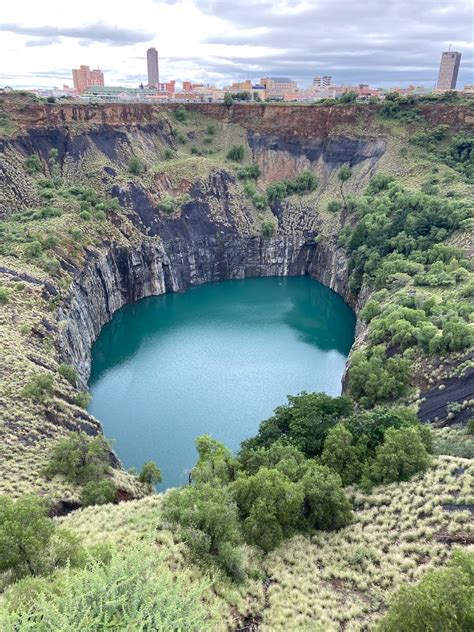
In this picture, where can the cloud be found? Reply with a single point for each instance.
(353, 41)
(94, 33)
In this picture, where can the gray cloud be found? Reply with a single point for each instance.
(354, 41)
(42, 41)
(86, 34)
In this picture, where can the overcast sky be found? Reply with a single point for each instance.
(382, 42)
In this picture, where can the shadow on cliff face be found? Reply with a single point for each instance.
(283, 158)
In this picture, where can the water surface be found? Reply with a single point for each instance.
(216, 359)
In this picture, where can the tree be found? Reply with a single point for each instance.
(341, 455)
(269, 505)
(236, 153)
(80, 459)
(180, 114)
(39, 387)
(442, 600)
(401, 455)
(348, 97)
(206, 518)
(280, 455)
(325, 504)
(30, 542)
(150, 474)
(33, 163)
(228, 99)
(215, 463)
(344, 174)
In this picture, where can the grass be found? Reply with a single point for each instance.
(340, 580)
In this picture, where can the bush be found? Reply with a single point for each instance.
(80, 459)
(373, 378)
(269, 505)
(68, 372)
(4, 295)
(98, 493)
(150, 474)
(33, 163)
(250, 172)
(30, 542)
(134, 591)
(39, 387)
(341, 455)
(401, 455)
(334, 206)
(325, 504)
(236, 153)
(442, 600)
(181, 114)
(206, 519)
(34, 249)
(268, 228)
(135, 166)
(82, 399)
(277, 191)
(85, 215)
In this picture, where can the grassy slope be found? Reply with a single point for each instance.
(331, 579)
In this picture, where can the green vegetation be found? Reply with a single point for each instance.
(304, 182)
(68, 372)
(236, 153)
(33, 164)
(269, 227)
(30, 542)
(133, 591)
(441, 601)
(80, 459)
(135, 166)
(181, 114)
(98, 493)
(150, 474)
(40, 387)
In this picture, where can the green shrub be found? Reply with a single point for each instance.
(401, 455)
(168, 154)
(168, 204)
(98, 493)
(250, 172)
(269, 505)
(34, 249)
(442, 600)
(68, 372)
(181, 114)
(30, 542)
(39, 387)
(80, 459)
(268, 228)
(341, 455)
(4, 295)
(82, 399)
(33, 163)
(85, 215)
(135, 590)
(206, 519)
(277, 191)
(334, 206)
(135, 166)
(150, 474)
(236, 153)
(325, 505)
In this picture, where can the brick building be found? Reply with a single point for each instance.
(83, 78)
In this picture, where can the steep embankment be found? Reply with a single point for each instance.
(180, 217)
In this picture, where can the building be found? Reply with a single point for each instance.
(153, 70)
(83, 78)
(278, 86)
(322, 82)
(448, 70)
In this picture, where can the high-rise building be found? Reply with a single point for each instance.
(153, 72)
(83, 77)
(448, 70)
(322, 82)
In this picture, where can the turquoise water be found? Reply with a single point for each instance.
(216, 359)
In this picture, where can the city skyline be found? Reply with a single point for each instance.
(218, 42)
